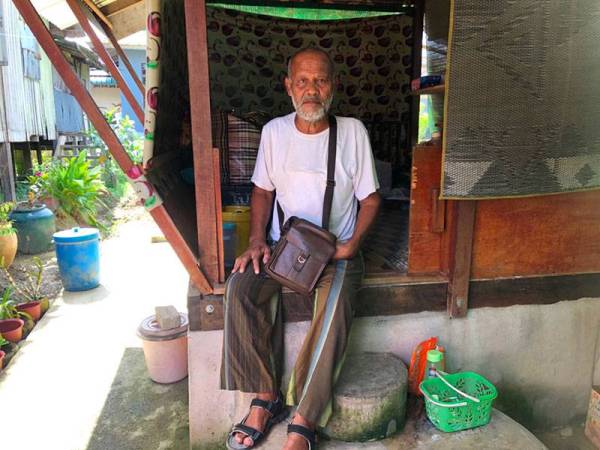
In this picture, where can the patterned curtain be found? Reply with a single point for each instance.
(248, 55)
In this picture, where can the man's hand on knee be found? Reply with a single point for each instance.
(257, 251)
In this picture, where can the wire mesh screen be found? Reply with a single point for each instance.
(523, 99)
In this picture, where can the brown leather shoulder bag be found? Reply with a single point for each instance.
(304, 249)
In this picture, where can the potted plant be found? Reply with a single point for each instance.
(31, 299)
(8, 235)
(3, 342)
(11, 324)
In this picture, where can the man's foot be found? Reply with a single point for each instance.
(257, 419)
(294, 440)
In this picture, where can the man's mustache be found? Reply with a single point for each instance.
(312, 98)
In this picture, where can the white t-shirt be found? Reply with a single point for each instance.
(295, 165)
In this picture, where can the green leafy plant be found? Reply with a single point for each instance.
(3, 342)
(8, 307)
(6, 225)
(74, 184)
(31, 289)
(133, 143)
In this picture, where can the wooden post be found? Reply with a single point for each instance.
(106, 58)
(115, 43)
(7, 175)
(461, 247)
(68, 75)
(197, 52)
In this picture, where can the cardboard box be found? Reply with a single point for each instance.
(592, 424)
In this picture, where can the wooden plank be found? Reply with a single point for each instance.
(7, 174)
(413, 132)
(221, 251)
(544, 290)
(73, 82)
(118, 6)
(438, 212)
(206, 313)
(183, 251)
(115, 43)
(425, 233)
(197, 52)
(98, 12)
(106, 58)
(399, 7)
(460, 263)
(554, 234)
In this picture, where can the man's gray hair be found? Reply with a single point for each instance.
(311, 50)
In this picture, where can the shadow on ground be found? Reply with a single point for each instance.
(140, 414)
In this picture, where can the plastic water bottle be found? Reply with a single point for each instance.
(435, 362)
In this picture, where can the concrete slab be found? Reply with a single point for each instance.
(502, 433)
(80, 376)
(540, 357)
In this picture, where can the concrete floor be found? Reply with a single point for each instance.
(79, 380)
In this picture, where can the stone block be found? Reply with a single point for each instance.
(369, 398)
(167, 317)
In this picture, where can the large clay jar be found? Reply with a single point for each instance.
(8, 248)
(35, 226)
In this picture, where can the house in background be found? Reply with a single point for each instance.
(104, 87)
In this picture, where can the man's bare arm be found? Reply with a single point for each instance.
(260, 211)
(369, 208)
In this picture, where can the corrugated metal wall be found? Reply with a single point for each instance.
(29, 103)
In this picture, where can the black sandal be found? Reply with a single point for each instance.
(275, 408)
(309, 436)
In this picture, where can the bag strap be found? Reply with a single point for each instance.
(328, 198)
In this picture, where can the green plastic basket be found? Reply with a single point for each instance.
(458, 401)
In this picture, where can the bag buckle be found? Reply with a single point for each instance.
(300, 261)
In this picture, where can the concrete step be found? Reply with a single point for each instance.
(369, 399)
(502, 433)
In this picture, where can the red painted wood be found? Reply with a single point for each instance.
(73, 82)
(162, 218)
(426, 231)
(66, 72)
(546, 235)
(195, 18)
(115, 43)
(461, 248)
(104, 55)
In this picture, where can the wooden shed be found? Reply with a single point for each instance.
(514, 268)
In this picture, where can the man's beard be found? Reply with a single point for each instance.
(316, 115)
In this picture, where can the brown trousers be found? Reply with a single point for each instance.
(253, 337)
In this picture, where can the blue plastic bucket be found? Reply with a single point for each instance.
(78, 256)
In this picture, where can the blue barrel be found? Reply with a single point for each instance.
(78, 255)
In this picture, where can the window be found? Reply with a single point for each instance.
(31, 54)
